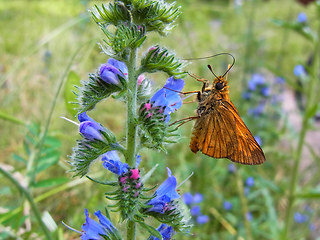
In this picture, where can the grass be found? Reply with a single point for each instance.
(39, 38)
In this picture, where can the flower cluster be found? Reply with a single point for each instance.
(192, 201)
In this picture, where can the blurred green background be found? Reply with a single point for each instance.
(37, 44)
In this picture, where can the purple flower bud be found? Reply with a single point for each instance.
(91, 130)
(109, 74)
(300, 218)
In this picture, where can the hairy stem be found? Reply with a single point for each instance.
(311, 101)
(34, 207)
(131, 125)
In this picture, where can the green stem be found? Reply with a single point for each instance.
(131, 125)
(311, 101)
(132, 109)
(30, 200)
(131, 230)
(244, 206)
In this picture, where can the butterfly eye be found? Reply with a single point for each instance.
(219, 86)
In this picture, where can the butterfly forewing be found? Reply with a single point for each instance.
(220, 133)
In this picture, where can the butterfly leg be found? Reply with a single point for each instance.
(198, 78)
(184, 120)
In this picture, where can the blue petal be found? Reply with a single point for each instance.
(84, 117)
(91, 229)
(104, 221)
(174, 84)
(119, 65)
(111, 161)
(138, 161)
(299, 70)
(302, 17)
(166, 232)
(91, 130)
(250, 181)
(227, 205)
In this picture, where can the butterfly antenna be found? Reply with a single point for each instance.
(210, 68)
(229, 67)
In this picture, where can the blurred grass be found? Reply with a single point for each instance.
(37, 40)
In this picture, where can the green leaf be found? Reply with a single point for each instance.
(154, 232)
(18, 158)
(48, 160)
(70, 97)
(312, 111)
(309, 195)
(51, 182)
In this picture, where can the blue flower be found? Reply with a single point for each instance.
(197, 198)
(112, 70)
(202, 219)
(256, 79)
(166, 232)
(164, 194)
(168, 96)
(112, 162)
(312, 227)
(92, 230)
(89, 128)
(258, 139)
(299, 70)
(187, 198)
(300, 218)
(265, 91)
(250, 181)
(227, 205)
(231, 168)
(302, 17)
(195, 210)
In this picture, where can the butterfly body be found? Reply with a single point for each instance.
(219, 131)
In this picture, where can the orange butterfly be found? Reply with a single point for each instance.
(219, 131)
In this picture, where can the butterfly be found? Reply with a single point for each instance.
(219, 131)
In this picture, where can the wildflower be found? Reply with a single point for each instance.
(227, 205)
(302, 17)
(231, 168)
(164, 194)
(187, 198)
(94, 230)
(89, 128)
(197, 198)
(256, 79)
(202, 219)
(258, 139)
(168, 97)
(312, 227)
(299, 70)
(195, 210)
(250, 181)
(300, 218)
(166, 232)
(265, 91)
(112, 162)
(112, 70)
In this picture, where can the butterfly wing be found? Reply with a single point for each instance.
(221, 133)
